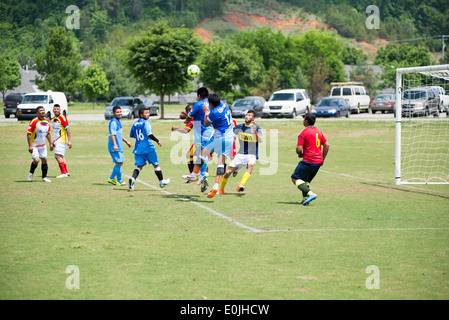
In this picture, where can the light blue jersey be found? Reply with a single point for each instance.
(221, 119)
(115, 129)
(140, 130)
(201, 133)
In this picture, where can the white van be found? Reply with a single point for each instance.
(287, 103)
(353, 92)
(26, 110)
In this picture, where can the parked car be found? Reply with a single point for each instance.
(420, 101)
(130, 107)
(150, 105)
(354, 92)
(383, 103)
(332, 107)
(241, 106)
(443, 98)
(287, 103)
(11, 102)
(26, 110)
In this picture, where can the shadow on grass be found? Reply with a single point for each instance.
(406, 189)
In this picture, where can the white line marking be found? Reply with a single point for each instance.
(241, 225)
(368, 229)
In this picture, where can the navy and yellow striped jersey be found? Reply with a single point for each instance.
(247, 139)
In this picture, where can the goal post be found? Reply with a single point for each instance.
(422, 134)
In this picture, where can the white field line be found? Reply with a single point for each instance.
(241, 225)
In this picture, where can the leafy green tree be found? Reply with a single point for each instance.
(225, 66)
(395, 56)
(94, 82)
(368, 77)
(10, 74)
(121, 81)
(160, 57)
(58, 66)
(353, 56)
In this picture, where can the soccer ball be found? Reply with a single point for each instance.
(193, 70)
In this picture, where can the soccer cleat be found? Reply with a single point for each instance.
(201, 179)
(62, 175)
(190, 177)
(240, 188)
(212, 193)
(220, 191)
(112, 181)
(204, 185)
(120, 184)
(303, 199)
(131, 184)
(46, 179)
(30, 176)
(164, 182)
(68, 174)
(309, 198)
(188, 181)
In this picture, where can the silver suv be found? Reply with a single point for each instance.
(420, 101)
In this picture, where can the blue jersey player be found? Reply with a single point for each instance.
(219, 116)
(202, 133)
(115, 146)
(144, 150)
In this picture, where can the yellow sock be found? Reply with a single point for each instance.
(245, 178)
(223, 183)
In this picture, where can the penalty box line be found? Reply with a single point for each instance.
(218, 214)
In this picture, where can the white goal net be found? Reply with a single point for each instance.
(422, 125)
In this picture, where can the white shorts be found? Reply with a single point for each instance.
(60, 148)
(242, 160)
(40, 152)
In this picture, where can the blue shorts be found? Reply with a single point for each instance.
(220, 145)
(117, 157)
(142, 159)
(306, 171)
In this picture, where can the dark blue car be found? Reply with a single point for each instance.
(332, 107)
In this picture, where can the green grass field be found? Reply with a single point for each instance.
(175, 243)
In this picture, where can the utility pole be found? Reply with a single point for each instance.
(442, 47)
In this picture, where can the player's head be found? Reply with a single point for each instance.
(310, 118)
(249, 116)
(117, 112)
(144, 113)
(202, 93)
(57, 109)
(214, 100)
(188, 108)
(40, 111)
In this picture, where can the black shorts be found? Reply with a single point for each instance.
(306, 171)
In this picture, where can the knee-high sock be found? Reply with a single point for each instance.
(223, 183)
(136, 173)
(158, 172)
(301, 185)
(116, 172)
(245, 178)
(33, 167)
(44, 168)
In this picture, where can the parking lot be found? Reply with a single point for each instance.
(172, 116)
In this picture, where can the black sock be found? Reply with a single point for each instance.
(190, 164)
(159, 174)
(304, 188)
(44, 168)
(136, 173)
(33, 167)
